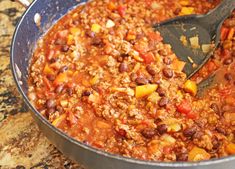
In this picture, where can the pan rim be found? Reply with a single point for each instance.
(85, 146)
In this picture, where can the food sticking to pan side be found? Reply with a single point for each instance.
(103, 75)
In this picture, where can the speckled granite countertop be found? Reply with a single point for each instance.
(22, 145)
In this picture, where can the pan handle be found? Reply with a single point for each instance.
(25, 3)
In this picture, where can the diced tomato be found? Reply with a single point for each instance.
(148, 57)
(184, 107)
(225, 92)
(224, 33)
(62, 34)
(148, 2)
(225, 53)
(231, 33)
(192, 115)
(211, 66)
(121, 10)
(46, 82)
(72, 118)
(50, 54)
(121, 132)
(155, 36)
(167, 149)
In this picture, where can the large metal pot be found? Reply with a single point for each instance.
(26, 34)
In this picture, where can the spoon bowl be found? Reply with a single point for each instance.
(195, 37)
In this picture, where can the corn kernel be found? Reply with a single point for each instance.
(95, 28)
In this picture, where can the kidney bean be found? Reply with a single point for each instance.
(228, 61)
(50, 103)
(151, 70)
(59, 42)
(141, 81)
(120, 59)
(70, 91)
(59, 89)
(65, 48)
(161, 91)
(198, 135)
(123, 67)
(167, 72)
(215, 108)
(163, 102)
(162, 129)
(133, 77)
(182, 157)
(51, 77)
(177, 11)
(148, 133)
(157, 121)
(228, 76)
(86, 93)
(230, 22)
(220, 130)
(162, 52)
(50, 111)
(90, 34)
(189, 132)
(63, 69)
(167, 60)
(215, 143)
(97, 42)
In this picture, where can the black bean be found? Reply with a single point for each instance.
(148, 133)
(182, 157)
(86, 93)
(163, 102)
(189, 132)
(65, 48)
(63, 69)
(141, 81)
(161, 91)
(133, 77)
(228, 76)
(228, 61)
(50, 103)
(123, 67)
(167, 72)
(162, 129)
(151, 70)
(215, 108)
(59, 89)
(167, 60)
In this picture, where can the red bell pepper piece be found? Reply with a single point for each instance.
(121, 10)
(184, 107)
(224, 33)
(148, 57)
(155, 36)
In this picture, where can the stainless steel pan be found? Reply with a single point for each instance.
(23, 43)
